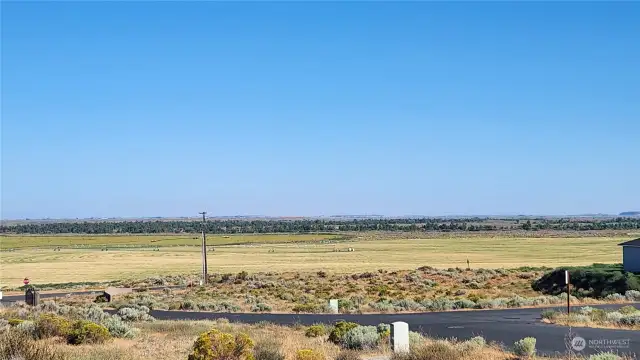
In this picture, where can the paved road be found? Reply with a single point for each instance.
(502, 326)
(13, 298)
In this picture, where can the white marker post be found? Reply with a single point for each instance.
(566, 281)
(333, 306)
(400, 337)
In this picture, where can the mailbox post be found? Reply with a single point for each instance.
(32, 296)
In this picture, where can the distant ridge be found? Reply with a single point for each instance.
(630, 213)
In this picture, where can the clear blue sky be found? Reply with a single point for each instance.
(168, 109)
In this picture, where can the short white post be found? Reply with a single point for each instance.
(333, 306)
(400, 337)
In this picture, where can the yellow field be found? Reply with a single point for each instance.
(76, 265)
(35, 241)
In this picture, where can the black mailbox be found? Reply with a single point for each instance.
(32, 297)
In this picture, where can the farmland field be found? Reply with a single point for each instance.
(88, 241)
(273, 253)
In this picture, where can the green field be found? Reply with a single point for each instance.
(100, 241)
(273, 253)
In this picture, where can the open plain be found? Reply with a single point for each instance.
(105, 258)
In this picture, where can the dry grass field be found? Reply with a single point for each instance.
(118, 241)
(173, 340)
(93, 264)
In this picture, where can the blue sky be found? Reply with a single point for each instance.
(168, 109)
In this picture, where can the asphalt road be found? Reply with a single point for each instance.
(501, 326)
(13, 298)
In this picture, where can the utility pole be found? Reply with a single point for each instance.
(204, 249)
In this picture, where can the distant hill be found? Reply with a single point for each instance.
(630, 213)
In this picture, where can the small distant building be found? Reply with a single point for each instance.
(631, 255)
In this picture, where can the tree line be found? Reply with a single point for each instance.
(322, 225)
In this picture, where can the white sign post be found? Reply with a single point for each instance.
(400, 337)
(333, 306)
(566, 281)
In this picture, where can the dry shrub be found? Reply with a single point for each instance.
(102, 352)
(87, 332)
(50, 325)
(437, 350)
(268, 350)
(216, 345)
(308, 354)
(16, 345)
(348, 355)
(316, 331)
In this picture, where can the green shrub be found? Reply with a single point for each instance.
(384, 330)
(464, 304)
(631, 319)
(415, 338)
(316, 331)
(268, 350)
(308, 354)
(339, 330)
(615, 297)
(261, 307)
(348, 355)
(306, 308)
(550, 314)
(118, 328)
(87, 332)
(48, 306)
(361, 338)
(15, 322)
(632, 295)
(598, 315)
(347, 305)
(585, 310)
(96, 314)
(407, 305)
(614, 317)
(597, 280)
(579, 318)
(135, 314)
(383, 306)
(242, 275)
(525, 347)
(51, 325)
(473, 344)
(625, 310)
(27, 328)
(216, 345)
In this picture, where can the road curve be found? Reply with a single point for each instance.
(501, 326)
